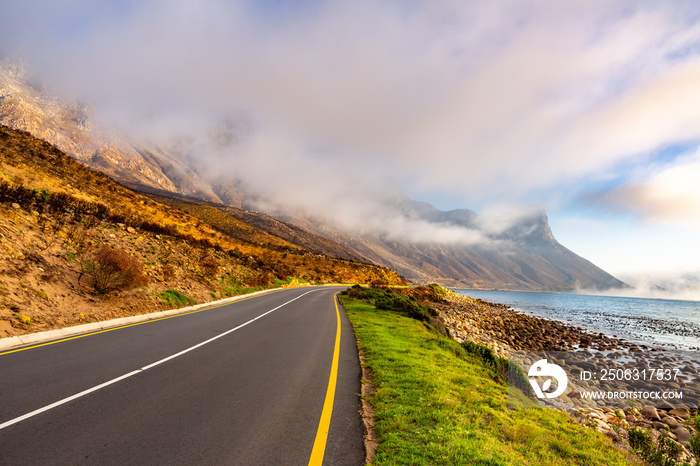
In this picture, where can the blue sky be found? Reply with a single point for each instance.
(590, 110)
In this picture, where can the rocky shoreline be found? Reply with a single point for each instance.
(509, 333)
(504, 330)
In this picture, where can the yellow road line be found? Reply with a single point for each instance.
(324, 425)
(131, 325)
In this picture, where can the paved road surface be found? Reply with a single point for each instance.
(253, 395)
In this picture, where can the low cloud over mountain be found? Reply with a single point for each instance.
(346, 202)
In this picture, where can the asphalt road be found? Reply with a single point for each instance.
(211, 387)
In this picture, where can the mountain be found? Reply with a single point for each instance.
(69, 234)
(258, 221)
(522, 256)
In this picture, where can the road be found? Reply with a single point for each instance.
(243, 383)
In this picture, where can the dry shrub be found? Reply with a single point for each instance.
(113, 269)
(379, 282)
(210, 266)
(262, 280)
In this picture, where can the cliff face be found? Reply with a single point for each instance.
(524, 256)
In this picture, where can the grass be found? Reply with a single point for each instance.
(236, 290)
(436, 403)
(231, 286)
(175, 298)
(289, 279)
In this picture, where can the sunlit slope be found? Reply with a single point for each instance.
(57, 216)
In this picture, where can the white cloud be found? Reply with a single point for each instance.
(487, 89)
(666, 194)
(488, 101)
(684, 286)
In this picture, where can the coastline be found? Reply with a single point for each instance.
(505, 330)
(509, 333)
(666, 325)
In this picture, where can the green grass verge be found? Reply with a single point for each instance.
(288, 280)
(238, 290)
(437, 404)
(175, 298)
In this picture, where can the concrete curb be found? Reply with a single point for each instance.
(40, 337)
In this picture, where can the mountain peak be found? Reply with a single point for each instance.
(532, 229)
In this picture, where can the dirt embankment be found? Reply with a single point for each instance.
(41, 287)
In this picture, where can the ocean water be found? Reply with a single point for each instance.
(661, 323)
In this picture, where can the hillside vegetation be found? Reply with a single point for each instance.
(75, 246)
(255, 226)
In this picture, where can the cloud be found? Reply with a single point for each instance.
(488, 101)
(668, 193)
(683, 286)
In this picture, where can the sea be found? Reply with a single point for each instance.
(659, 323)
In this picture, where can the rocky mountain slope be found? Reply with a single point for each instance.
(222, 216)
(26, 106)
(76, 247)
(524, 256)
